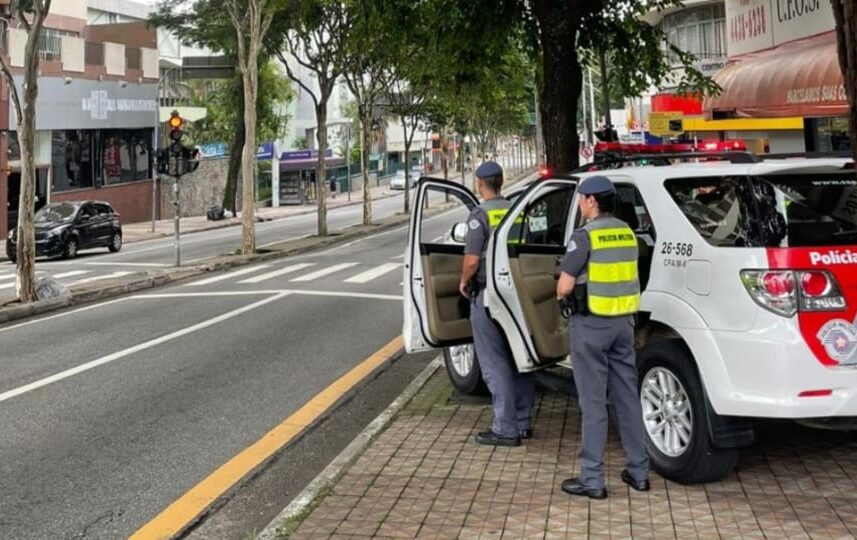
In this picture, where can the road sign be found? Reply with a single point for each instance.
(662, 123)
(586, 152)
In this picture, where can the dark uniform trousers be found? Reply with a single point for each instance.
(603, 358)
(512, 393)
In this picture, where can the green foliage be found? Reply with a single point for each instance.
(201, 22)
(221, 97)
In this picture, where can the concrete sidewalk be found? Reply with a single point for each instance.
(136, 232)
(425, 477)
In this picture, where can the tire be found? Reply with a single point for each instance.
(115, 242)
(466, 381)
(69, 250)
(692, 461)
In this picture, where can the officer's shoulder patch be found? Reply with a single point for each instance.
(474, 224)
(572, 245)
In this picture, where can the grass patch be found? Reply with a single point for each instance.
(287, 529)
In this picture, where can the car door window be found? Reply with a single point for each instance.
(631, 209)
(545, 220)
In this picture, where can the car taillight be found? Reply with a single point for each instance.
(778, 290)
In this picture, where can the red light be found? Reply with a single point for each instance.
(544, 171)
(711, 146)
(778, 283)
(815, 283)
(816, 393)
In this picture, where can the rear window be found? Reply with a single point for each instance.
(771, 211)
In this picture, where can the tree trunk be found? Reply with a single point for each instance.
(248, 158)
(562, 85)
(235, 150)
(320, 171)
(366, 120)
(26, 246)
(845, 14)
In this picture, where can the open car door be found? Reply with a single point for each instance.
(523, 266)
(435, 313)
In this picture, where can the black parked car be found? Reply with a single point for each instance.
(64, 228)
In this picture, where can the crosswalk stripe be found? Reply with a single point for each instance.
(277, 273)
(228, 275)
(98, 278)
(374, 273)
(58, 276)
(325, 271)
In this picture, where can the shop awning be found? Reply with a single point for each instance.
(801, 78)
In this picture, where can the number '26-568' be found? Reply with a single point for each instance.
(677, 248)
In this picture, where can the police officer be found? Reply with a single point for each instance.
(599, 280)
(512, 393)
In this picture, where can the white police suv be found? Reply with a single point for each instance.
(748, 268)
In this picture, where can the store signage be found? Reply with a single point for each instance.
(660, 123)
(298, 155)
(755, 25)
(86, 104)
(100, 105)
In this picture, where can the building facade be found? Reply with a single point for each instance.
(95, 114)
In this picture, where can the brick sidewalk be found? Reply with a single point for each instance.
(425, 477)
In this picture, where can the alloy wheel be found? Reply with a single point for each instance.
(667, 414)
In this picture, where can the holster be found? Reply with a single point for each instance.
(576, 303)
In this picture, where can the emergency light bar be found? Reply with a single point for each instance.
(670, 148)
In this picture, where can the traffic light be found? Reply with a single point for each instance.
(190, 157)
(163, 161)
(176, 122)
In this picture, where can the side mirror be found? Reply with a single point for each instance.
(459, 233)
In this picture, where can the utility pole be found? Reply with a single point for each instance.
(177, 221)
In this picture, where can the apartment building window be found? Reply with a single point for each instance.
(50, 43)
(700, 31)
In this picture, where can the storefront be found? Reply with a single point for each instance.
(297, 174)
(94, 141)
(783, 70)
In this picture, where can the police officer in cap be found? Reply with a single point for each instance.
(600, 287)
(512, 393)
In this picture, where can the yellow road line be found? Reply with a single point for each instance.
(181, 513)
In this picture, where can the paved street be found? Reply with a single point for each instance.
(113, 411)
(97, 264)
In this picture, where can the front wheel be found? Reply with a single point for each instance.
(676, 419)
(463, 369)
(70, 249)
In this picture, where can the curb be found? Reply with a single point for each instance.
(328, 476)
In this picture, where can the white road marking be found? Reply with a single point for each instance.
(98, 278)
(63, 314)
(374, 273)
(402, 256)
(228, 275)
(277, 273)
(152, 265)
(294, 292)
(5, 396)
(325, 272)
(58, 276)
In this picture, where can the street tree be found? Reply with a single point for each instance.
(31, 15)
(557, 33)
(845, 15)
(313, 37)
(367, 58)
(250, 20)
(220, 98)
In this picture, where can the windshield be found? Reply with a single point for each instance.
(771, 211)
(56, 213)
